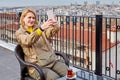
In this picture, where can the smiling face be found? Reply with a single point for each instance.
(29, 19)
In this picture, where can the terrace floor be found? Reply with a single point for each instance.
(9, 66)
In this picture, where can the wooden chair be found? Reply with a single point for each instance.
(23, 64)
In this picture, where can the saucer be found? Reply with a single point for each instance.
(70, 77)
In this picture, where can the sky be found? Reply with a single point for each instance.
(14, 3)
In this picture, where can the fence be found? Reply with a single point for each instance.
(91, 43)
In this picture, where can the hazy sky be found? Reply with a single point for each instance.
(11, 3)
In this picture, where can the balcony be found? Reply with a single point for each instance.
(85, 40)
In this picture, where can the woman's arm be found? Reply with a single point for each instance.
(28, 39)
(51, 32)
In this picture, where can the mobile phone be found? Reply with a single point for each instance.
(51, 15)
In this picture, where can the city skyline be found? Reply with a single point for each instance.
(14, 3)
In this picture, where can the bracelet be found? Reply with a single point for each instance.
(41, 28)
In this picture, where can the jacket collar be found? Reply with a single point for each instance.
(24, 30)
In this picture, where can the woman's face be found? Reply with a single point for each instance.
(29, 19)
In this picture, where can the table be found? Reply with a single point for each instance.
(84, 75)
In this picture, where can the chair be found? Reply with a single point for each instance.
(23, 64)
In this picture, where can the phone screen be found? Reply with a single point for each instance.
(51, 15)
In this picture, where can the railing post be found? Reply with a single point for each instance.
(98, 70)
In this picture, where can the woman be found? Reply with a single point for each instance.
(34, 41)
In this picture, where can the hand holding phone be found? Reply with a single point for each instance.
(51, 15)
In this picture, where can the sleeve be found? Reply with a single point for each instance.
(51, 32)
(28, 39)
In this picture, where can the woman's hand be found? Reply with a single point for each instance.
(48, 23)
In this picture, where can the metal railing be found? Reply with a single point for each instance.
(91, 43)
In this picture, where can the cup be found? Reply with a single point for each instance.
(69, 74)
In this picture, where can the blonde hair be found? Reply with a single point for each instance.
(24, 13)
